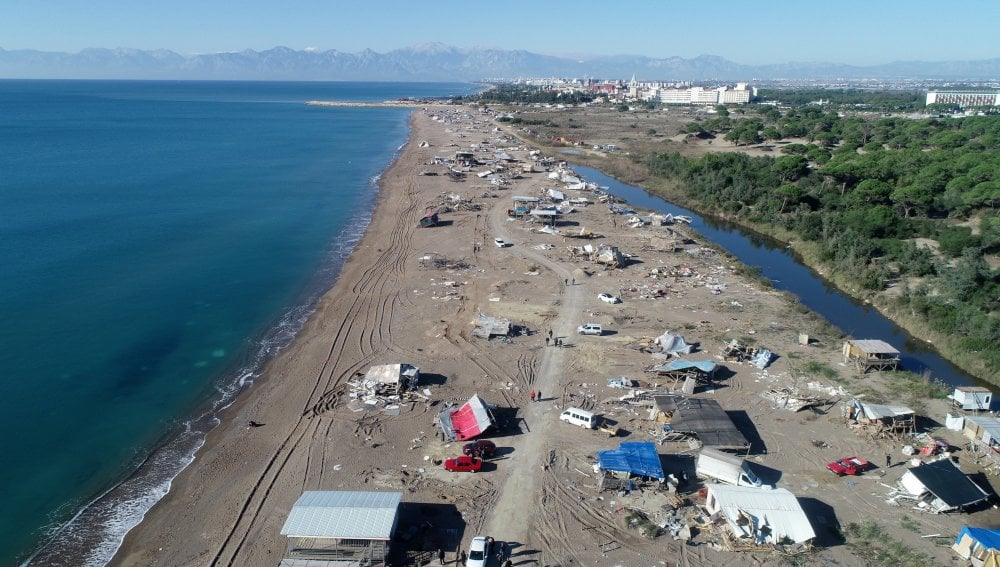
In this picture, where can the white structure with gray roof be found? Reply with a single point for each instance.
(340, 528)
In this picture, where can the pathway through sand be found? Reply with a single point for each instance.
(511, 519)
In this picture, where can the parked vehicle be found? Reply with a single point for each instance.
(849, 465)
(590, 329)
(727, 468)
(464, 464)
(577, 416)
(499, 242)
(608, 298)
(479, 552)
(481, 448)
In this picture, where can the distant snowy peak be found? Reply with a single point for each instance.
(439, 62)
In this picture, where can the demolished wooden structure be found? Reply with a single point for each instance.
(880, 421)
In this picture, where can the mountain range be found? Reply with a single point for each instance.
(439, 62)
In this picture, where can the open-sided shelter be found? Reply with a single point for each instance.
(340, 528)
(680, 369)
(942, 486)
(866, 354)
(631, 461)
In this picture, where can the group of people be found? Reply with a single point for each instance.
(536, 396)
(556, 341)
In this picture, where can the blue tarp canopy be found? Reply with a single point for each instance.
(706, 366)
(989, 539)
(634, 457)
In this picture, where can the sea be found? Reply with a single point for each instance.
(159, 242)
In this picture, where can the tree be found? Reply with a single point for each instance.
(788, 192)
(912, 198)
(791, 168)
(722, 110)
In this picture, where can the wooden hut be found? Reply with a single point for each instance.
(866, 354)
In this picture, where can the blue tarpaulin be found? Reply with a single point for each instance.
(634, 457)
(988, 539)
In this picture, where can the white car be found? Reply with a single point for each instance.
(590, 329)
(608, 298)
(499, 242)
(479, 552)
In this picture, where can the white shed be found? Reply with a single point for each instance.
(972, 398)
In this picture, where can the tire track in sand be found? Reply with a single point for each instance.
(375, 287)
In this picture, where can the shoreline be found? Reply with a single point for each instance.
(249, 404)
(387, 306)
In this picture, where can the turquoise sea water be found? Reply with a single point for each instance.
(158, 241)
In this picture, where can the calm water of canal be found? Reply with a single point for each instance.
(778, 264)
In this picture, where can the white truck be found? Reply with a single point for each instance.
(725, 467)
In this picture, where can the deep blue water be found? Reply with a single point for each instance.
(782, 268)
(158, 241)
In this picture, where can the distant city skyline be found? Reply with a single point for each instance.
(848, 32)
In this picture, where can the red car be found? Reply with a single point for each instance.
(463, 464)
(481, 448)
(849, 465)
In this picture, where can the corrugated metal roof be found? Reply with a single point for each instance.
(986, 423)
(777, 508)
(874, 346)
(343, 514)
(880, 411)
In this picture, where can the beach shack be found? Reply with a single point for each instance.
(522, 206)
(866, 354)
(759, 516)
(608, 255)
(391, 379)
(633, 462)
(340, 528)
(702, 418)
(489, 327)
(980, 546)
(941, 487)
(468, 421)
(972, 398)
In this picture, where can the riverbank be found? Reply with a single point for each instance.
(929, 340)
(412, 295)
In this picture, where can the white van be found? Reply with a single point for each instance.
(727, 468)
(577, 416)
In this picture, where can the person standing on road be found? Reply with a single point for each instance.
(888, 461)
(532, 395)
(538, 396)
(441, 556)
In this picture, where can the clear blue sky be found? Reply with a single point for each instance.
(839, 31)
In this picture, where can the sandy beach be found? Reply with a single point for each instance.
(390, 306)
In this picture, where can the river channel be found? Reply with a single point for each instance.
(777, 263)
